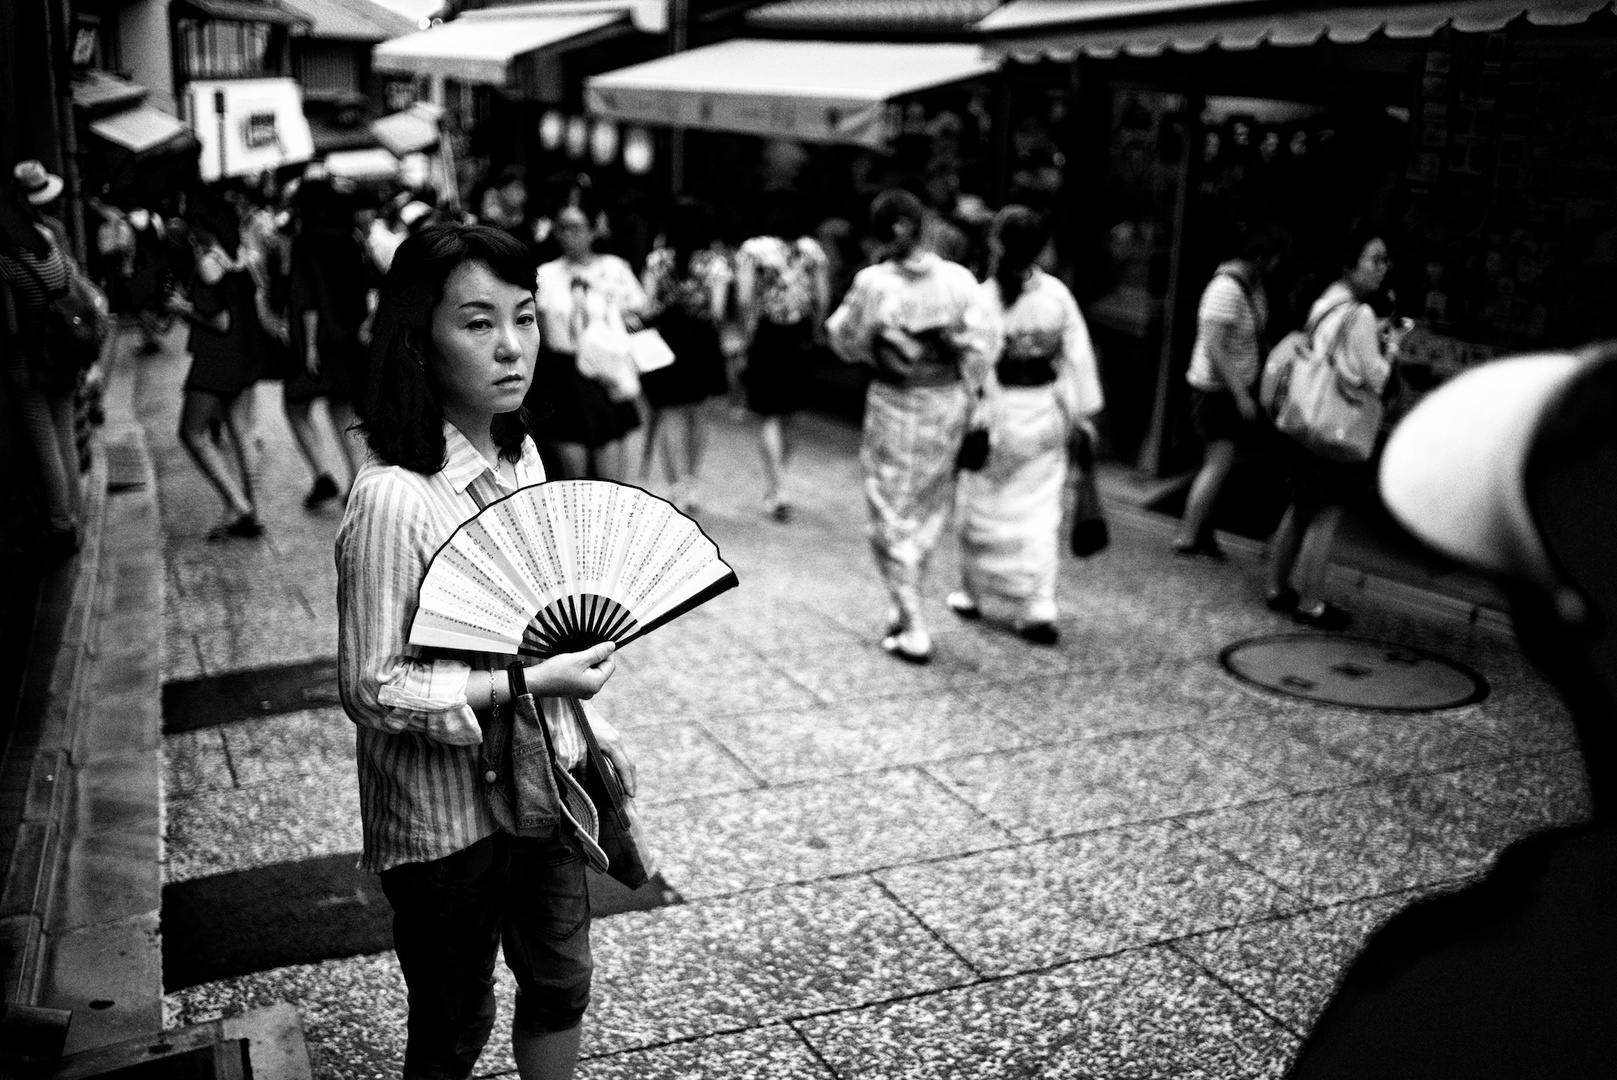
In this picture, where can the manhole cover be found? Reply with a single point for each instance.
(1338, 670)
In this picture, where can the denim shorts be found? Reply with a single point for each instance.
(451, 915)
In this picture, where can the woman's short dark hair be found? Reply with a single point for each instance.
(891, 207)
(399, 408)
(1357, 239)
(1023, 234)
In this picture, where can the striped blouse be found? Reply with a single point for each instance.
(420, 767)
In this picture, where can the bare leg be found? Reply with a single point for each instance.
(1315, 558)
(348, 437)
(249, 446)
(772, 442)
(648, 447)
(550, 1056)
(197, 416)
(1285, 544)
(695, 441)
(1204, 491)
(612, 461)
(575, 460)
(308, 428)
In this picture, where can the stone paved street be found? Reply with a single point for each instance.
(1104, 859)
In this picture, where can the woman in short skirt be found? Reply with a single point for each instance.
(587, 420)
(784, 292)
(688, 284)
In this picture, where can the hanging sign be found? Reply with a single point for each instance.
(248, 126)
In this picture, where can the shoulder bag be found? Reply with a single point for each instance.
(1313, 401)
(75, 327)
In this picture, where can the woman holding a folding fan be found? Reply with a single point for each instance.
(1009, 512)
(456, 339)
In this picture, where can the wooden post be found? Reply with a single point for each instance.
(1156, 437)
(679, 18)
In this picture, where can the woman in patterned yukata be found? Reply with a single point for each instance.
(1010, 512)
(456, 341)
(924, 328)
(687, 285)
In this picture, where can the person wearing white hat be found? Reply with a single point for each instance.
(37, 184)
(1509, 468)
(34, 267)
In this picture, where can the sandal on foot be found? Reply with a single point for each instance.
(963, 605)
(894, 644)
(1282, 600)
(1325, 617)
(1200, 549)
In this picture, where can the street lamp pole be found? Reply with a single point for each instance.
(679, 17)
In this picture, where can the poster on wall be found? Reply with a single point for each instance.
(248, 126)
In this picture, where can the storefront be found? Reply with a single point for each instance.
(1481, 136)
(509, 82)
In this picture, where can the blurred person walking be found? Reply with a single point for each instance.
(1223, 376)
(151, 277)
(687, 285)
(34, 270)
(1046, 387)
(1362, 349)
(329, 290)
(926, 331)
(587, 298)
(783, 291)
(225, 357)
(470, 868)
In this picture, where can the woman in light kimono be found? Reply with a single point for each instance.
(1010, 511)
(923, 327)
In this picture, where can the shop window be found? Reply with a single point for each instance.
(225, 50)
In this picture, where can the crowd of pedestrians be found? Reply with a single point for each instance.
(279, 283)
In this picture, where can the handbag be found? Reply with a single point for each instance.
(530, 790)
(604, 356)
(649, 351)
(75, 327)
(1090, 533)
(1313, 402)
(622, 839)
(973, 452)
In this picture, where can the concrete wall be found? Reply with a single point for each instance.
(143, 29)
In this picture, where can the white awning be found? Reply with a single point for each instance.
(477, 49)
(138, 129)
(362, 166)
(409, 131)
(1030, 30)
(818, 91)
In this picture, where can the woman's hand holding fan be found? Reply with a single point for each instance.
(563, 566)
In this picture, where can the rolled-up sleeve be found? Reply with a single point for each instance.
(382, 552)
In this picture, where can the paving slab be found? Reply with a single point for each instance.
(1051, 791)
(1049, 903)
(785, 745)
(283, 821)
(1365, 841)
(730, 843)
(1142, 1014)
(1290, 966)
(775, 1052)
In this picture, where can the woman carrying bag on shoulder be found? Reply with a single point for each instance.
(467, 865)
(34, 271)
(1344, 327)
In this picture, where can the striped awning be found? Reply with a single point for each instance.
(1030, 30)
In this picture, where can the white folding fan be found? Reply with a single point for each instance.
(564, 565)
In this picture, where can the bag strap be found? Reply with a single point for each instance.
(1341, 330)
(609, 777)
